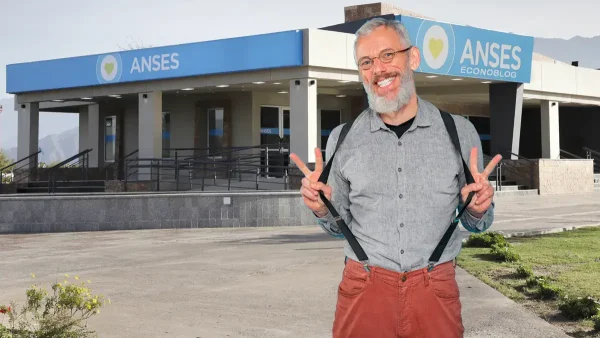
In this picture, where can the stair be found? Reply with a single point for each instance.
(511, 188)
(41, 187)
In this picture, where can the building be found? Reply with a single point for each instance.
(295, 86)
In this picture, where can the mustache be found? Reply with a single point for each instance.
(383, 76)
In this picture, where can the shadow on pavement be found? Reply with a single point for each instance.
(287, 239)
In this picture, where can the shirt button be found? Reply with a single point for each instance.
(402, 225)
(399, 169)
(399, 143)
(402, 252)
(400, 196)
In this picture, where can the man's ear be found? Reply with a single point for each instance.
(415, 58)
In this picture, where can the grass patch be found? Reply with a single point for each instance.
(546, 273)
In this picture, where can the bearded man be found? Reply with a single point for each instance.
(397, 181)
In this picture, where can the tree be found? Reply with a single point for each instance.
(133, 45)
(4, 159)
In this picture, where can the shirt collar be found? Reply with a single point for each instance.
(422, 119)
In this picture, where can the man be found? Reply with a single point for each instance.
(397, 181)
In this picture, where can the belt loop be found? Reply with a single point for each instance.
(426, 276)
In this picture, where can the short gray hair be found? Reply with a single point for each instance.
(374, 23)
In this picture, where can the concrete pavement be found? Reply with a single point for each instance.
(245, 282)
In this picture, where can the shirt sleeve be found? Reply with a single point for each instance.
(340, 189)
(469, 138)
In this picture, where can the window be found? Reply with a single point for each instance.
(216, 139)
(110, 138)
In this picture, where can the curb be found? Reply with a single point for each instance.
(542, 232)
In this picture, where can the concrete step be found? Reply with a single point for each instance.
(525, 192)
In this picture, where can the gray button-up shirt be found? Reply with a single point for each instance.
(398, 196)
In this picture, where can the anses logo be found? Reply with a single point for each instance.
(437, 44)
(109, 68)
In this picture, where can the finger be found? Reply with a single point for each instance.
(318, 160)
(473, 187)
(490, 167)
(306, 193)
(300, 164)
(473, 161)
(308, 185)
(485, 195)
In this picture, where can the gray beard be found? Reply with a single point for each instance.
(383, 105)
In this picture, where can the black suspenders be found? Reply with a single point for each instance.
(358, 250)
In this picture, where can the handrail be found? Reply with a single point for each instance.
(591, 151)
(571, 154)
(71, 158)
(21, 160)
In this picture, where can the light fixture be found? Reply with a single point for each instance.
(223, 86)
(276, 83)
(431, 76)
(58, 100)
(457, 79)
(115, 96)
(188, 88)
(86, 98)
(258, 82)
(282, 92)
(486, 81)
(341, 95)
(344, 81)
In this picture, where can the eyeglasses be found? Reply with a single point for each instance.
(386, 57)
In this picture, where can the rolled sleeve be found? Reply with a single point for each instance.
(476, 225)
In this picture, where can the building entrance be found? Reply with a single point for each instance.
(274, 140)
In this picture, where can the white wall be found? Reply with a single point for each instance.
(569, 83)
(242, 124)
(182, 111)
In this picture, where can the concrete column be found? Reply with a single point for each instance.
(150, 130)
(83, 128)
(28, 132)
(304, 132)
(506, 108)
(550, 130)
(93, 132)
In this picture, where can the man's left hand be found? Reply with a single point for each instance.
(484, 192)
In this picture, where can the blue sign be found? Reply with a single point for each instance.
(266, 51)
(463, 51)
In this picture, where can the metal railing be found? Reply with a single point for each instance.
(263, 167)
(510, 168)
(19, 165)
(80, 160)
(593, 155)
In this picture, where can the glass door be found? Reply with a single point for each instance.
(274, 139)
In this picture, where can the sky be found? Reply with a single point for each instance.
(41, 30)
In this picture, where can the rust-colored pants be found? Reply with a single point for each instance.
(384, 303)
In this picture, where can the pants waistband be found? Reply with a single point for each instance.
(444, 269)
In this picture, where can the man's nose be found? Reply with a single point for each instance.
(378, 66)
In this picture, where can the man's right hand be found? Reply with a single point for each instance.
(311, 185)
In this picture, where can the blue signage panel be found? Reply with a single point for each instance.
(463, 51)
(283, 49)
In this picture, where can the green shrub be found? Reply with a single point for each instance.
(486, 240)
(61, 312)
(596, 321)
(535, 281)
(524, 271)
(579, 308)
(505, 253)
(549, 291)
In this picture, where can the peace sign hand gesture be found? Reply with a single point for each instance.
(311, 185)
(484, 191)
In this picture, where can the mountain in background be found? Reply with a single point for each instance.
(55, 148)
(60, 136)
(584, 50)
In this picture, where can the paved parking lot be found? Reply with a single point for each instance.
(247, 282)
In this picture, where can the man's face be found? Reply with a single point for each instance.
(389, 86)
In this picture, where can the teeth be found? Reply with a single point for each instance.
(386, 82)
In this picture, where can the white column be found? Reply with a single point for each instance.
(303, 118)
(28, 132)
(550, 130)
(150, 130)
(93, 132)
